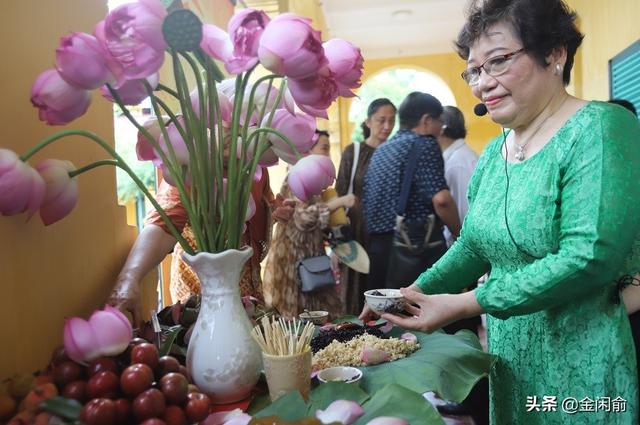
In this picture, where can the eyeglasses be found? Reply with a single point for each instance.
(494, 66)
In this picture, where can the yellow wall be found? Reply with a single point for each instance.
(609, 28)
(446, 66)
(67, 269)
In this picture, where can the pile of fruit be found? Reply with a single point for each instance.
(135, 387)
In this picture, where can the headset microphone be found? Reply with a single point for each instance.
(480, 109)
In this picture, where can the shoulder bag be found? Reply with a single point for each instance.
(416, 247)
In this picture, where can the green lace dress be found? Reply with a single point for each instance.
(556, 322)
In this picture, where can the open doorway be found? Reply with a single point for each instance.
(395, 84)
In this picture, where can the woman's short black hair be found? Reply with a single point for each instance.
(415, 106)
(453, 123)
(371, 110)
(541, 25)
(625, 104)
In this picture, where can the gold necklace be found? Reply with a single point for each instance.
(520, 148)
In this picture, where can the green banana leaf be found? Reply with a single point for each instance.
(392, 400)
(396, 401)
(290, 407)
(449, 365)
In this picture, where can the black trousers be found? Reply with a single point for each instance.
(378, 250)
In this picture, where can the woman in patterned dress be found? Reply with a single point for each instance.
(553, 215)
(381, 117)
(297, 238)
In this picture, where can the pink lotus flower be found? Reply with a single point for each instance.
(226, 107)
(373, 356)
(408, 336)
(80, 60)
(310, 176)
(343, 411)
(144, 148)
(268, 158)
(216, 43)
(146, 151)
(177, 142)
(61, 192)
(58, 102)
(387, 420)
(132, 92)
(261, 96)
(298, 128)
(291, 47)
(245, 29)
(251, 209)
(315, 94)
(106, 333)
(345, 61)
(132, 34)
(21, 187)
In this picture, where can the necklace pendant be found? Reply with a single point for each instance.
(520, 154)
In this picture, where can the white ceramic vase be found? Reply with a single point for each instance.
(222, 358)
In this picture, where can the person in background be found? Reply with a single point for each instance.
(298, 237)
(420, 122)
(154, 243)
(553, 214)
(459, 160)
(381, 118)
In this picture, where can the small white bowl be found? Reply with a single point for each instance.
(318, 317)
(391, 300)
(346, 374)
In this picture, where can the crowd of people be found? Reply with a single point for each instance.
(545, 218)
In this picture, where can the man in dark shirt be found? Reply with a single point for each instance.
(420, 122)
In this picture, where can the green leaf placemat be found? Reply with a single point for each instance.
(449, 365)
(396, 401)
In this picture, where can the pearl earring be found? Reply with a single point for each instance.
(558, 69)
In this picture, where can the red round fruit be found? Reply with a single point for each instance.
(76, 390)
(183, 370)
(103, 384)
(167, 364)
(149, 404)
(175, 388)
(136, 379)
(153, 421)
(123, 411)
(59, 355)
(102, 364)
(99, 411)
(174, 415)
(66, 372)
(197, 407)
(145, 353)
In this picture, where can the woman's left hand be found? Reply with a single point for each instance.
(434, 311)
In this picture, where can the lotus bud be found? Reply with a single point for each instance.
(61, 191)
(372, 356)
(386, 328)
(343, 411)
(107, 333)
(408, 336)
(310, 176)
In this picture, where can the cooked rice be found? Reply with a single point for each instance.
(349, 353)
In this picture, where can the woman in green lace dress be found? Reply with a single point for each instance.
(553, 218)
